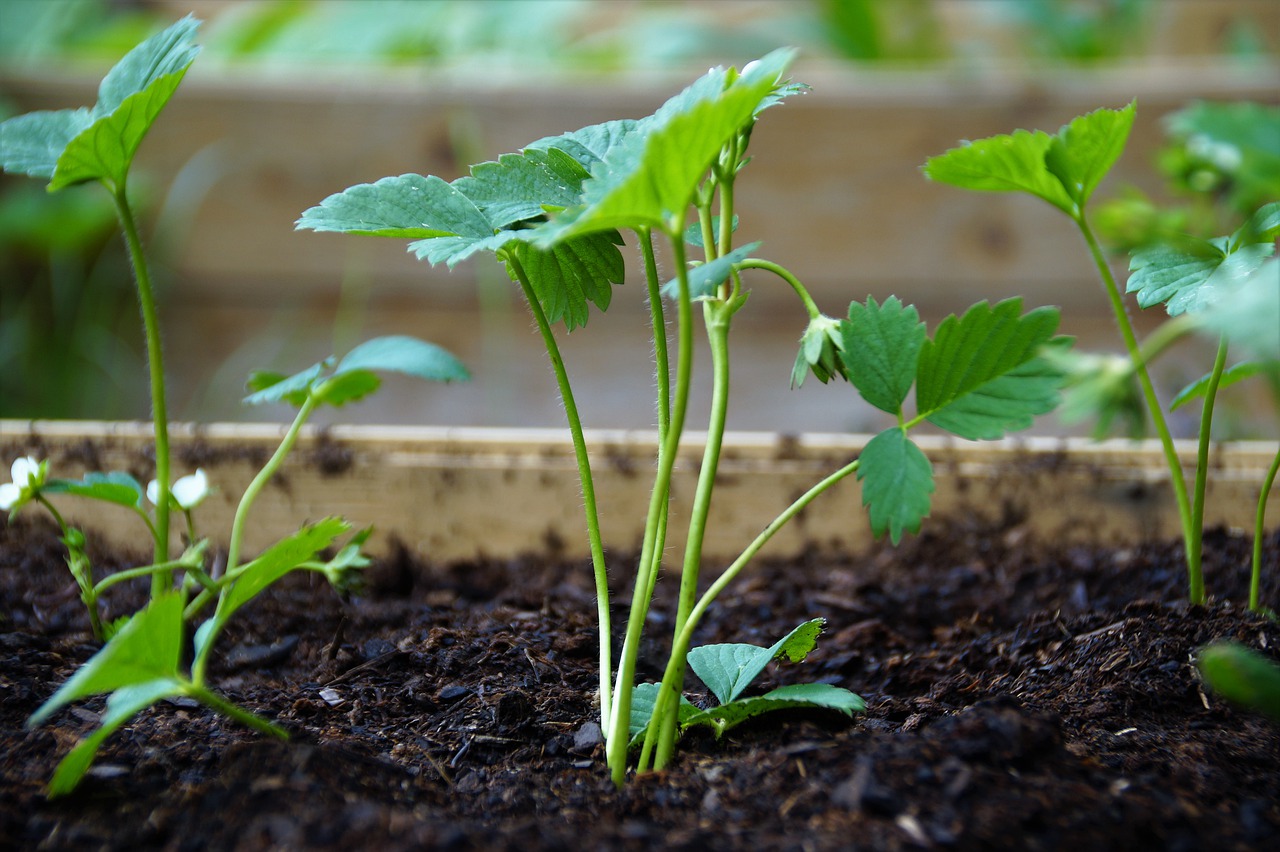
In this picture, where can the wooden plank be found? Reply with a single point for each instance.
(457, 494)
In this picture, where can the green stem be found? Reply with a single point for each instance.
(671, 683)
(594, 537)
(1259, 527)
(617, 737)
(785, 274)
(1196, 591)
(251, 493)
(1191, 535)
(212, 699)
(718, 317)
(155, 362)
(134, 573)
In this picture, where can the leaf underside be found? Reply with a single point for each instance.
(728, 669)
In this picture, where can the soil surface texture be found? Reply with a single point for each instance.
(1020, 695)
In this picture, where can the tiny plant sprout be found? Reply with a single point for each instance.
(147, 657)
(555, 213)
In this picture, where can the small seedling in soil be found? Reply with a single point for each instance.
(1242, 676)
(141, 663)
(553, 214)
(1190, 276)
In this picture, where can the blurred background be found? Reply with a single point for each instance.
(293, 100)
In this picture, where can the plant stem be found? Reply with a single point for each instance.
(251, 493)
(594, 537)
(616, 740)
(212, 699)
(785, 274)
(133, 573)
(671, 685)
(1191, 535)
(1259, 525)
(1196, 593)
(155, 361)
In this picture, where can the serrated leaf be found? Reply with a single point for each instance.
(571, 274)
(881, 347)
(406, 355)
(115, 487)
(279, 559)
(122, 705)
(706, 278)
(1011, 162)
(796, 696)
(1083, 151)
(981, 375)
(1231, 375)
(650, 176)
(521, 186)
(590, 144)
(730, 668)
(897, 481)
(1192, 275)
(1251, 317)
(409, 206)
(144, 650)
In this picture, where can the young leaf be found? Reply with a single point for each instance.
(1083, 151)
(521, 186)
(281, 558)
(116, 487)
(881, 346)
(730, 668)
(705, 278)
(897, 480)
(1012, 162)
(570, 274)
(408, 206)
(144, 650)
(693, 233)
(651, 175)
(796, 696)
(407, 355)
(982, 376)
(72, 146)
(122, 705)
(1193, 274)
(1230, 376)
(590, 144)
(352, 385)
(643, 697)
(271, 387)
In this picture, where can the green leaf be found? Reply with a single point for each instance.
(144, 650)
(1012, 162)
(403, 354)
(796, 696)
(1263, 227)
(1242, 676)
(570, 274)
(293, 390)
(116, 487)
(1085, 150)
(348, 387)
(408, 206)
(881, 347)
(728, 669)
(1250, 319)
(590, 144)
(72, 146)
(1190, 276)
(981, 375)
(693, 233)
(649, 177)
(122, 705)
(522, 186)
(1231, 375)
(279, 559)
(706, 278)
(643, 697)
(897, 480)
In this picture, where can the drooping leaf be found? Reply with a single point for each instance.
(406, 355)
(704, 279)
(793, 697)
(1083, 151)
(122, 705)
(73, 146)
(1192, 274)
(981, 375)
(650, 176)
(351, 386)
(1230, 376)
(897, 481)
(116, 487)
(144, 650)
(881, 347)
(573, 273)
(730, 668)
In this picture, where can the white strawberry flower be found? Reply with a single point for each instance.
(188, 492)
(28, 476)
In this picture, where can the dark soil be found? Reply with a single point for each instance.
(1020, 696)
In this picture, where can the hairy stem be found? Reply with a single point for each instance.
(155, 362)
(1259, 531)
(785, 274)
(1190, 534)
(596, 542)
